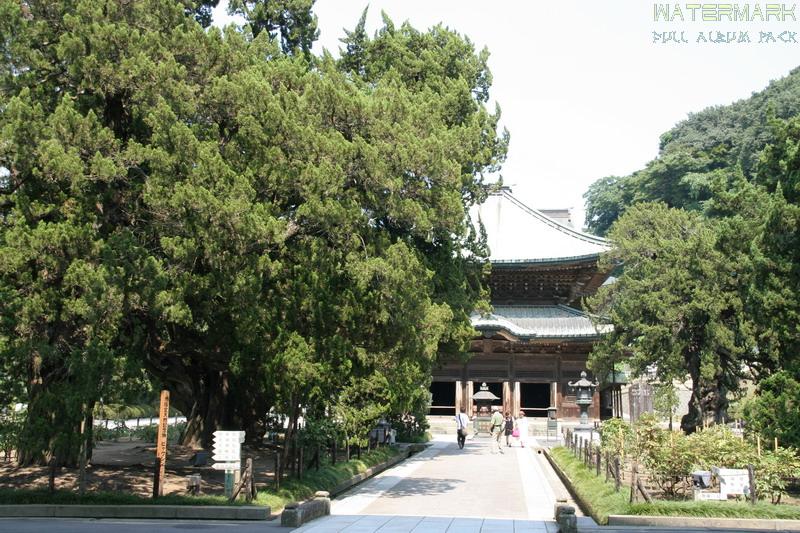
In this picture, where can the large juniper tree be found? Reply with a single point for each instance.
(677, 308)
(258, 228)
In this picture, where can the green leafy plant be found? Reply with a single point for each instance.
(773, 471)
(11, 421)
(615, 437)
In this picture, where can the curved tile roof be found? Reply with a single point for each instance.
(548, 321)
(517, 233)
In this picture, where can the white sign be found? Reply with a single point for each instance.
(733, 481)
(226, 466)
(227, 446)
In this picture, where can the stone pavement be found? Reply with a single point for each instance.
(444, 489)
(447, 490)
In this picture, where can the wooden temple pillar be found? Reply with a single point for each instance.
(459, 396)
(508, 397)
(468, 390)
(516, 402)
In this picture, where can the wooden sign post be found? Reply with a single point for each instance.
(161, 445)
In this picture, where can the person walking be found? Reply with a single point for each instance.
(497, 430)
(462, 421)
(508, 427)
(522, 428)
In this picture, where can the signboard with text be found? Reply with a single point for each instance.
(161, 444)
(227, 449)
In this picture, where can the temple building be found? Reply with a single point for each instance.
(537, 339)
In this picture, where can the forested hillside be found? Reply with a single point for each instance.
(683, 175)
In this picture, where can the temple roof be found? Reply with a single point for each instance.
(517, 233)
(538, 321)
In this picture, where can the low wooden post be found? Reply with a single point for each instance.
(616, 473)
(277, 469)
(633, 497)
(250, 487)
(751, 477)
(599, 460)
(300, 460)
(643, 490)
(608, 466)
(83, 456)
(51, 481)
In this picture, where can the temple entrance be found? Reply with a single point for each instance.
(534, 399)
(443, 398)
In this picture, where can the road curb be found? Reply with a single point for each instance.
(704, 522)
(191, 512)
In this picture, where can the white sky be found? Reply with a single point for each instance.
(584, 91)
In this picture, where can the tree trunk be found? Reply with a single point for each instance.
(207, 407)
(709, 398)
(51, 431)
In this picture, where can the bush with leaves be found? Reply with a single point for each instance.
(10, 426)
(615, 437)
(773, 471)
(772, 412)
(718, 446)
(666, 455)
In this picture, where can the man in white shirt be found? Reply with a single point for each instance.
(462, 421)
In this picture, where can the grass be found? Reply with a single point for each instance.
(326, 478)
(292, 489)
(717, 509)
(598, 496)
(602, 500)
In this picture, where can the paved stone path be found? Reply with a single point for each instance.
(444, 489)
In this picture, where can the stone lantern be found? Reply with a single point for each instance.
(483, 400)
(584, 390)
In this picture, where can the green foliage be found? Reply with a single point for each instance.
(720, 138)
(11, 422)
(616, 437)
(677, 306)
(775, 469)
(716, 509)
(256, 228)
(122, 411)
(331, 476)
(670, 457)
(598, 498)
(146, 433)
(289, 21)
(665, 400)
(738, 166)
(718, 446)
(772, 412)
